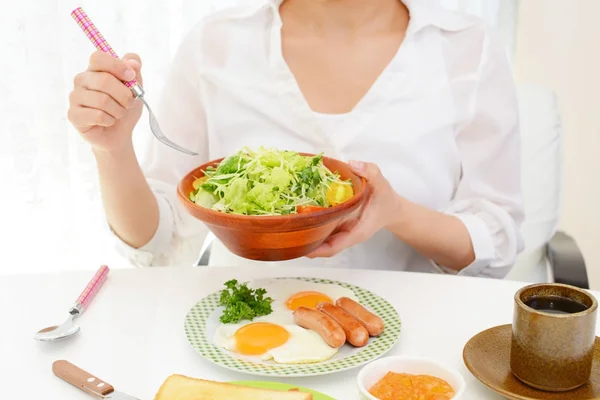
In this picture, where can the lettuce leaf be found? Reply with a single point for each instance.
(265, 182)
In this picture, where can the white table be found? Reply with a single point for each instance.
(132, 334)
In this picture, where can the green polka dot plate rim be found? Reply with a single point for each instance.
(202, 315)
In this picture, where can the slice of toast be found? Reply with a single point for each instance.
(179, 387)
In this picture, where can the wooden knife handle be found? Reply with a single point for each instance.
(81, 379)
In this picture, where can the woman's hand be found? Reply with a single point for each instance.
(102, 108)
(440, 237)
(382, 202)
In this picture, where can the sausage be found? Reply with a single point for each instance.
(331, 332)
(356, 334)
(372, 322)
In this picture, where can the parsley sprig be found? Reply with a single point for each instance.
(241, 302)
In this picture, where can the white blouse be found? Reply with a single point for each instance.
(441, 122)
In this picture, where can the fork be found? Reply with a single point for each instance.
(101, 44)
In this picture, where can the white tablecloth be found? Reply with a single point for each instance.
(132, 334)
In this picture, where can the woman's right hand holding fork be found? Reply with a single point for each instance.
(101, 107)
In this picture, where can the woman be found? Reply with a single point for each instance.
(423, 97)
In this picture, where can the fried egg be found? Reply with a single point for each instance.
(289, 294)
(289, 344)
(276, 336)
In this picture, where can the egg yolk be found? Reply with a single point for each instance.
(259, 337)
(308, 299)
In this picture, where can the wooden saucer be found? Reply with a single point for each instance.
(487, 356)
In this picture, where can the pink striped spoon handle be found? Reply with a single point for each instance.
(90, 30)
(92, 288)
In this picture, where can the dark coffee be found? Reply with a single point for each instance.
(556, 305)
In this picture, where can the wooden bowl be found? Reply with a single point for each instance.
(279, 237)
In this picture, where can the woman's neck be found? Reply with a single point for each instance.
(331, 17)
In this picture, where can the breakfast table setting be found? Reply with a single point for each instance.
(274, 332)
(133, 332)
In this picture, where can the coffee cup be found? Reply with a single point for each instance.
(553, 335)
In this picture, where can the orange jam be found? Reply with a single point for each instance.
(395, 386)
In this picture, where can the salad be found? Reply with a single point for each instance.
(270, 182)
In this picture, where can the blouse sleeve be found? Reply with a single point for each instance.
(182, 119)
(488, 198)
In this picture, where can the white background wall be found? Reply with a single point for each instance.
(558, 45)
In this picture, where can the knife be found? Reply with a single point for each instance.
(87, 382)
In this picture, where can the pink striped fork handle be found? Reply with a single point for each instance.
(91, 289)
(90, 30)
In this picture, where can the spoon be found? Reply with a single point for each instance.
(68, 328)
(101, 44)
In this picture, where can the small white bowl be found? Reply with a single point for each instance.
(371, 373)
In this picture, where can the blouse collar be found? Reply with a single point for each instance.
(423, 13)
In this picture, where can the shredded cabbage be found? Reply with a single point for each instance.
(266, 182)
